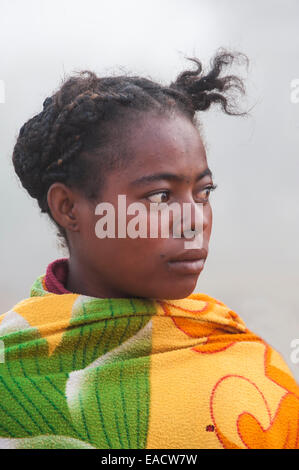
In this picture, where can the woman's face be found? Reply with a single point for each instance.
(167, 164)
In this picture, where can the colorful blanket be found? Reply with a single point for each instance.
(84, 372)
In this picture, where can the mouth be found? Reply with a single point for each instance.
(188, 262)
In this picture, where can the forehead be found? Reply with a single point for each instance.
(157, 143)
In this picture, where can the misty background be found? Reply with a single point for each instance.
(254, 249)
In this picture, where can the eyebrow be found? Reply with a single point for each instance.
(168, 177)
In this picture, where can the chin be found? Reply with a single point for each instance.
(178, 289)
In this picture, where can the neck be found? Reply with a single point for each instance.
(85, 281)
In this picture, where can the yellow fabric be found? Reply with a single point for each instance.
(224, 390)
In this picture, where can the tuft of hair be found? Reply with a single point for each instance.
(72, 138)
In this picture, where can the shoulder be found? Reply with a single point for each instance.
(256, 404)
(39, 312)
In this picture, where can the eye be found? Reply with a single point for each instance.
(205, 193)
(160, 197)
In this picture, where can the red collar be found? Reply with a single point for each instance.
(56, 276)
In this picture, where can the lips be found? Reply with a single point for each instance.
(188, 262)
(190, 255)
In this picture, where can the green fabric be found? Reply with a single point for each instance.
(93, 391)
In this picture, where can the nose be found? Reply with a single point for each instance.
(190, 221)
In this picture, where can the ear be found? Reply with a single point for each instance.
(61, 201)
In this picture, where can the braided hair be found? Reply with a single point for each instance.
(73, 139)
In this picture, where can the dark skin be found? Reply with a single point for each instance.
(127, 267)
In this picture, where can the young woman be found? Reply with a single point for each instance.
(112, 349)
